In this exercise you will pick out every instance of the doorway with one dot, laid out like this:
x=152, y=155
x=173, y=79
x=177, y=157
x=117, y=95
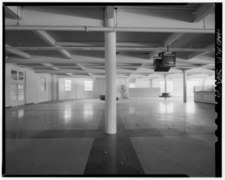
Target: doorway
x=17, y=88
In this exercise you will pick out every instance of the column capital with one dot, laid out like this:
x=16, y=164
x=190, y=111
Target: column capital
x=109, y=16
x=109, y=11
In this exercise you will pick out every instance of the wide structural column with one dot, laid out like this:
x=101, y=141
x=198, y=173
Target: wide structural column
x=184, y=85
x=110, y=72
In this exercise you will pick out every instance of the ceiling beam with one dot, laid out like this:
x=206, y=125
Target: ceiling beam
x=194, y=54
x=14, y=11
x=106, y=29
x=102, y=71
x=59, y=71
x=51, y=66
x=160, y=7
x=119, y=49
x=171, y=39
x=74, y=60
x=44, y=59
x=50, y=40
x=83, y=68
x=69, y=74
x=204, y=10
x=205, y=66
x=17, y=52
x=101, y=44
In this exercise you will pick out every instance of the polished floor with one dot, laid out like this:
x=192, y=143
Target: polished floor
x=155, y=137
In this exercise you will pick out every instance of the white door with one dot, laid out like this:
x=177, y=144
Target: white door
x=13, y=93
x=17, y=88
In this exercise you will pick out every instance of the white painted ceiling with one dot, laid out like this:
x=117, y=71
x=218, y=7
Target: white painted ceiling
x=69, y=40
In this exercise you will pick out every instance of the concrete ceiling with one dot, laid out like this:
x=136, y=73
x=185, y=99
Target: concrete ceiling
x=70, y=39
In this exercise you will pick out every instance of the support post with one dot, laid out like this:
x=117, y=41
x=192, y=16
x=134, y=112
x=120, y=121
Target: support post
x=151, y=82
x=54, y=87
x=165, y=81
x=110, y=70
x=184, y=85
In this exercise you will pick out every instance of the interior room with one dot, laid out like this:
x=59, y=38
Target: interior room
x=109, y=89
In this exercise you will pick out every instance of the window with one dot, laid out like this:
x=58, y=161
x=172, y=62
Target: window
x=88, y=85
x=13, y=75
x=43, y=84
x=21, y=76
x=68, y=85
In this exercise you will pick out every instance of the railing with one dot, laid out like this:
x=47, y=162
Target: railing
x=207, y=88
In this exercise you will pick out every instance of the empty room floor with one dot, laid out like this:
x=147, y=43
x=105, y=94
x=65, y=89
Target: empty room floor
x=154, y=137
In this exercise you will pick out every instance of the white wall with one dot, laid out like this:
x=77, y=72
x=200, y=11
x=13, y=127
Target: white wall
x=144, y=88
x=67, y=94
x=204, y=97
x=177, y=87
x=78, y=88
x=99, y=87
x=142, y=83
x=119, y=83
x=33, y=93
x=81, y=93
x=144, y=92
x=78, y=92
x=155, y=83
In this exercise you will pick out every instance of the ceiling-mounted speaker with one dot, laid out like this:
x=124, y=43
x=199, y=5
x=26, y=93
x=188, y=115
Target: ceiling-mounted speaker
x=158, y=65
x=164, y=61
x=168, y=59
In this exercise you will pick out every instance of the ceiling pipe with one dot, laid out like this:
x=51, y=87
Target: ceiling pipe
x=104, y=29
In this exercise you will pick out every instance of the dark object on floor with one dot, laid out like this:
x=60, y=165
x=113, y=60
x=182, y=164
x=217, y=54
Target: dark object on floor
x=102, y=97
x=165, y=95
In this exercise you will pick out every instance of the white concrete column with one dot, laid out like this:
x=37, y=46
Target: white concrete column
x=53, y=87
x=127, y=86
x=184, y=85
x=165, y=81
x=110, y=73
x=57, y=88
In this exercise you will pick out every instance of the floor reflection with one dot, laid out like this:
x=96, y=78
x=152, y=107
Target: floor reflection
x=190, y=108
x=20, y=113
x=88, y=111
x=131, y=110
x=166, y=107
x=67, y=113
